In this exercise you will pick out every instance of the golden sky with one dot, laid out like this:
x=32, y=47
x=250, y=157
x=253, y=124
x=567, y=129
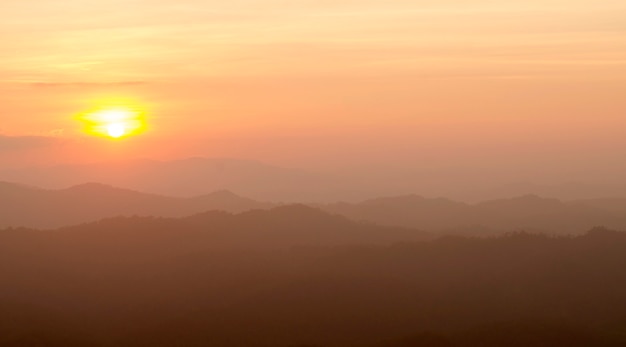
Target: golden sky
x=317, y=82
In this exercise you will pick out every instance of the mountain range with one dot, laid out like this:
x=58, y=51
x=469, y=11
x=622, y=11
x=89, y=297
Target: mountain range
x=529, y=213
x=278, y=227
x=270, y=182
x=24, y=206
x=197, y=176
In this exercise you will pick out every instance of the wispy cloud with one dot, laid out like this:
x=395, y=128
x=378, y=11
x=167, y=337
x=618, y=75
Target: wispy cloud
x=86, y=84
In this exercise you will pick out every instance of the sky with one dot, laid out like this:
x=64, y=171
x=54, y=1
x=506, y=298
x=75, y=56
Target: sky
x=510, y=90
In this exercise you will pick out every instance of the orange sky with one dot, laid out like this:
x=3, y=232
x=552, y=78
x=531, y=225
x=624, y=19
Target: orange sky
x=324, y=84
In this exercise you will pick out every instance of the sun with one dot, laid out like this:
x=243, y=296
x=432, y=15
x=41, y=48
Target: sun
x=114, y=123
x=116, y=130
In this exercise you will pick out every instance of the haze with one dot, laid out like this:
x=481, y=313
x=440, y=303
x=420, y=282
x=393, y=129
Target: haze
x=312, y=173
x=451, y=93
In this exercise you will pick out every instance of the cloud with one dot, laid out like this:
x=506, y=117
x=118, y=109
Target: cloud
x=16, y=143
x=86, y=84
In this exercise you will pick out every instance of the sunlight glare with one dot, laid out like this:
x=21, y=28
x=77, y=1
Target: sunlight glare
x=114, y=123
x=116, y=130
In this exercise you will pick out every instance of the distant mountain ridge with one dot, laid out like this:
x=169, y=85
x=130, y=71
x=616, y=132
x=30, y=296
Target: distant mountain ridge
x=276, y=228
x=568, y=191
x=529, y=212
x=23, y=206
x=195, y=176
x=270, y=182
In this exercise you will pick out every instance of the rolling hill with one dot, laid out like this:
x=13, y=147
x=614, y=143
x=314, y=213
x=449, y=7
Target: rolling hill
x=530, y=213
x=23, y=206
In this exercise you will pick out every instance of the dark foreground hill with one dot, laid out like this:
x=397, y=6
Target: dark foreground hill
x=231, y=280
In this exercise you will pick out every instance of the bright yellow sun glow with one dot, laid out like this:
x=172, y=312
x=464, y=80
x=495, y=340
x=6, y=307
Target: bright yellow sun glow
x=114, y=123
x=116, y=130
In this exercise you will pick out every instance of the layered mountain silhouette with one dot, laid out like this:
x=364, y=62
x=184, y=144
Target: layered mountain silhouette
x=565, y=191
x=610, y=204
x=267, y=182
x=39, y=208
x=224, y=270
x=279, y=227
x=197, y=176
x=24, y=206
x=530, y=213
